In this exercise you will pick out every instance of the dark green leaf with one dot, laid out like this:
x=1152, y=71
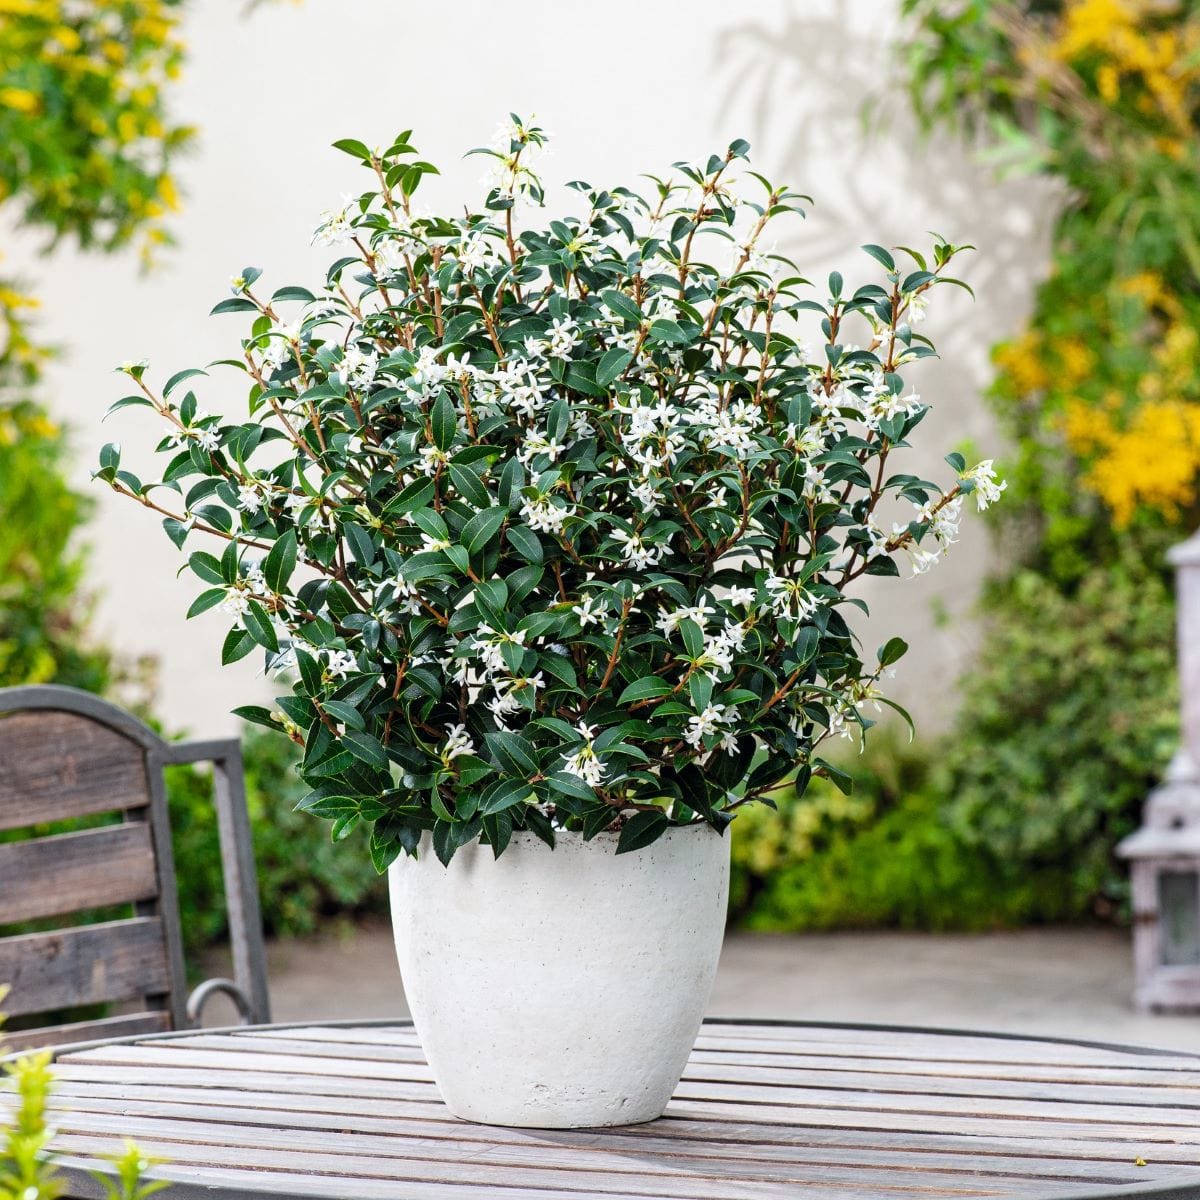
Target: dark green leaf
x=512, y=753
x=482, y=528
x=354, y=148
x=443, y=421
x=623, y=306
x=469, y=485
x=641, y=829
x=364, y=747
x=205, y=601
x=612, y=365
x=645, y=689
x=259, y=626
x=892, y=651
x=280, y=561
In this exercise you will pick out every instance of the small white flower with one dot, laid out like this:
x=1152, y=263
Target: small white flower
x=705, y=723
x=250, y=496
x=636, y=553
x=432, y=459
x=583, y=763
x=408, y=598
x=338, y=663
x=358, y=367
x=942, y=522
x=646, y=496
x=741, y=597
x=278, y=352
x=987, y=485
x=916, y=308
x=489, y=646
x=538, y=443
x=789, y=597
x=562, y=337
x=476, y=252
x=458, y=741
x=542, y=514
x=590, y=611
x=236, y=602
x=335, y=225
x=878, y=541
x=668, y=622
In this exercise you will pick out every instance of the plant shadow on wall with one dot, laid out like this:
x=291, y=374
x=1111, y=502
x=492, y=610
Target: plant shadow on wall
x=840, y=121
x=1069, y=704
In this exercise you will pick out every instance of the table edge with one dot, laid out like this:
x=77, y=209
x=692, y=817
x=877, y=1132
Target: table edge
x=57, y=1052
x=78, y=1177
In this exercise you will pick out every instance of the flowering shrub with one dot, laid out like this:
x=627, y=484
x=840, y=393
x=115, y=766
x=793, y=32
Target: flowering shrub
x=83, y=112
x=558, y=526
x=1103, y=95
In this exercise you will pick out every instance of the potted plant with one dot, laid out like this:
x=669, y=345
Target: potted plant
x=554, y=526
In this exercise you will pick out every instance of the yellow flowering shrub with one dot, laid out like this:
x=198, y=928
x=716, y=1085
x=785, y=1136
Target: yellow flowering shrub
x=88, y=143
x=1141, y=52
x=1102, y=390
x=87, y=152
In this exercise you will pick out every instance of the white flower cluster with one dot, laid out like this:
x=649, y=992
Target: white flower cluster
x=570, y=493
x=714, y=719
x=987, y=486
x=584, y=763
x=336, y=225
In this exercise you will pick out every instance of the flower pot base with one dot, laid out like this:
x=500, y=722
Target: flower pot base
x=561, y=989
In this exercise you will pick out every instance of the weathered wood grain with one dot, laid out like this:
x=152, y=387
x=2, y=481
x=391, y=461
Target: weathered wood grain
x=650, y=1155
x=67, y=754
x=352, y=1112
x=55, y=765
x=129, y=1025
x=50, y=876
x=87, y=964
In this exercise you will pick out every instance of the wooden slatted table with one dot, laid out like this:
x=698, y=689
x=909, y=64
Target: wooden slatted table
x=764, y=1110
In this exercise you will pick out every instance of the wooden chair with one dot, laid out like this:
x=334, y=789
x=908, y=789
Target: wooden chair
x=66, y=754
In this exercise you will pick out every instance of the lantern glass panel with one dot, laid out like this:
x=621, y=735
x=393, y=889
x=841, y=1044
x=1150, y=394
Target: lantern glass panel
x=1179, y=917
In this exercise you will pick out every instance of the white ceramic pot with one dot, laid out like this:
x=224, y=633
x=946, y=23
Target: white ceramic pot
x=561, y=988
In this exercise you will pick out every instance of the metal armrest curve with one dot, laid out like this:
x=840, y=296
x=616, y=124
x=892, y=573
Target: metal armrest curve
x=210, y=987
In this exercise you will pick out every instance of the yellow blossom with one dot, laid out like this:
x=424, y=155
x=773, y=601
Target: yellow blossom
x=1021, y=361
x=1150, y=460
x=20, y=99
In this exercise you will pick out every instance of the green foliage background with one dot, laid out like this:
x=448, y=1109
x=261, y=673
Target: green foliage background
x=303, y=876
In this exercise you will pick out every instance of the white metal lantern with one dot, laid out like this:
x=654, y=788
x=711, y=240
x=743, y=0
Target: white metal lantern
x=1165, y=866
x=1164, y=853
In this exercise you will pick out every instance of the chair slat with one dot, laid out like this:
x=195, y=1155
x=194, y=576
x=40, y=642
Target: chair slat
x=89, y=964
x=129, y=1025
x=46, y=877
x=56, y=765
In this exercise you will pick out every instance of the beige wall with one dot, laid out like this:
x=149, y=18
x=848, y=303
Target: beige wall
x=626, y=87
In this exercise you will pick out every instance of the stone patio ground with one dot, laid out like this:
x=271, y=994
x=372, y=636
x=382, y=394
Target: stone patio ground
x=1060, y=982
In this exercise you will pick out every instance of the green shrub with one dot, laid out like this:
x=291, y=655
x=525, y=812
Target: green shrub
x=41, y=614
x=885, y=857
x=302, y=875
x=1070, y=718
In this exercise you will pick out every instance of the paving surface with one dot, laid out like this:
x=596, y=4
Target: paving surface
x=1061, y=982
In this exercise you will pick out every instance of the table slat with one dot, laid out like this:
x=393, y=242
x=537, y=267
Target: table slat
x=763, y=1112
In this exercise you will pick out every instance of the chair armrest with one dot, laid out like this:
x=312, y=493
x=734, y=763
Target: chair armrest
x=209, y=988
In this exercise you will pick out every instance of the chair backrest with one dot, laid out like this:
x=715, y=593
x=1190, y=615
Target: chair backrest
x=68, y=757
